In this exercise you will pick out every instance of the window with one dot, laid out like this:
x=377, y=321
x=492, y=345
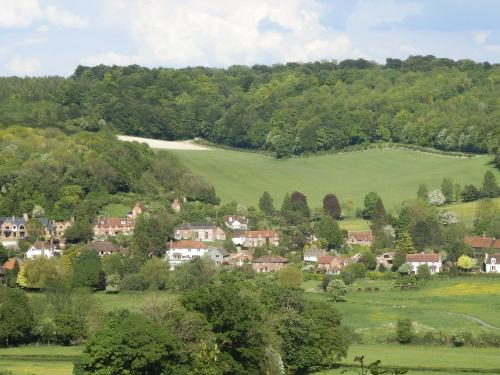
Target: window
x=196, y=235
x=123, y=222
x=206, y=235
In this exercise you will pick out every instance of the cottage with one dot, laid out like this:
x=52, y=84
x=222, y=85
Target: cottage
x=240, y=258
x=113, y=226
x=40, y=249
x=103, y=248
x=333, y=264
x=269, y=263
x=364, y=238
x=206, y=232
x=185, y=251
x=432, y=260
x=311, y=255
x=482, y=242
x=491, y=263
x=385, y=259
x=219, y=256
x=236, y=222
x=258, y=238
x=136, y=211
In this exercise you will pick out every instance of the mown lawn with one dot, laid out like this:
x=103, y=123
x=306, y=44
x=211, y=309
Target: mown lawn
x=442, y=305
x=128, y=300
x=393, y=173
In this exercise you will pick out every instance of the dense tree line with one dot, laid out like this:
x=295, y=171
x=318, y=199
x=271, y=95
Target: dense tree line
x=46, y=172
x=288, y=109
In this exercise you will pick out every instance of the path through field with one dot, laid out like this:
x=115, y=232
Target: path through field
x=165, y=145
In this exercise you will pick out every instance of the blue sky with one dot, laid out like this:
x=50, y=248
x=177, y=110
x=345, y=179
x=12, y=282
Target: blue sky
x=51, y=37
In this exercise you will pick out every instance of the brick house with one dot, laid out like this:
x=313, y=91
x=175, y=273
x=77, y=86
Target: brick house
x=256, y=238
x=240, y=258
x=113, y=226
x=200, y=231
x=364, y=238
x=236, y=222
x=478, y=243
x=432, y=260
x=269, y=263
x=333, y=264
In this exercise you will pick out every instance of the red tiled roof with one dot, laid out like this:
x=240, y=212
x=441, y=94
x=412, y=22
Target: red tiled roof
x=325, y=259
x=114, y=222
x=423, y=258
x=480, y=242
x=104, y=246
x=270, y=259
x=188, y=244
x=10, y=264
x=260, y=233
x=361, y=236
x=496, y=244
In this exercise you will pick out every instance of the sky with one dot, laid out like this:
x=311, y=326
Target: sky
x=52, y=37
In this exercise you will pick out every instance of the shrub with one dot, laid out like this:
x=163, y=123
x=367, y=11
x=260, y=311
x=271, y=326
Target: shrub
x=134, y=281
x=423, y=273
x=337, y=290
x=460, y=337
x=112, y=283
x=375, y=275
x=404, y=331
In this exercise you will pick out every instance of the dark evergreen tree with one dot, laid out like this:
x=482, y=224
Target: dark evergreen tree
x=331, y=206
x=266, y=203
x=490, y=187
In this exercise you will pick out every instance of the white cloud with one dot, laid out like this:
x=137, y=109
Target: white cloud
x=64, y=18
x=109, y=58
x=225, y=32
x=22, y=13
x=19, y=13
x=24, y=66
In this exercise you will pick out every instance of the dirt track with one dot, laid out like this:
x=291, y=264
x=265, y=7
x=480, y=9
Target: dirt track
x=164, y=145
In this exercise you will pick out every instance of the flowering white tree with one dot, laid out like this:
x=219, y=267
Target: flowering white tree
x=436, y=198
x=448, y=217
x=38, y=211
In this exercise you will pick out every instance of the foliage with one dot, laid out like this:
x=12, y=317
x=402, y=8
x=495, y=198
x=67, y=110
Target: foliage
x=465, y=263
x=369, y=260
x=490, y=187
x=404, y=331
x=86, y=269
x=470, y=193
x=129, y=343
x=353, y=272
x=266, y=204
x=155, y=273
x=35, y=273
x=328, y=230
x=447, y=189
x=337, y=290
x=134, y=281
x=331, y=206
x=16, y=317
x=405, y=269
x=370, y=202
x=423, y=273
x=423, y=192
x=112, y=283
x=290, y=277
x=436, y=198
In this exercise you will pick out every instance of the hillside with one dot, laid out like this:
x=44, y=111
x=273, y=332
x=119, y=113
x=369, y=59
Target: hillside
x=393, y=173
x=287, y=109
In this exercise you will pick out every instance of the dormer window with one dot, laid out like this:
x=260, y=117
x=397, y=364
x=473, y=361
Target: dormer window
x=14, y=227
x=102, y=222
x=122, y=222
x=493, y=260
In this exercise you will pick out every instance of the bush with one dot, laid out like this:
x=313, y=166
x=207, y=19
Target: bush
x=460, y=337
x=134, y=281
x=353, y=272
x=423, y=273
x=404, y=331
x=375, y=275
x=112, y=283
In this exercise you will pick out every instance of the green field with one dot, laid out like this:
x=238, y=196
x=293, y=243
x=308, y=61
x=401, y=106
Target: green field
x=443, y=305
x=393, y=173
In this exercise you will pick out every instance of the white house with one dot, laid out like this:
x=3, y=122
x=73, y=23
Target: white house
x=238, y=238
x=311, y=255
x=219, y=256
x=433, y=261
x=492, y=263
x=185, y=251
x=236, y=222
x=40, y=249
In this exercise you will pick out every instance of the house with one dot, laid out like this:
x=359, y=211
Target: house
x=256, y=238
x=482, y=242
x=136, y=211
x=103, y=248
x=432, y=260
x=40, y=249
x=185, y=251
x=386, y=259
x=311, y=255
x=176, y=205
x=219, y=256
x=364, y=238
x=9, y=265
x=236, y=222
x=240, y=258
x=238, y=237
x=200, y=231
x=269, y=263
x=333, y=264
x=492, y=263
x=113, y=226
x=15, y=227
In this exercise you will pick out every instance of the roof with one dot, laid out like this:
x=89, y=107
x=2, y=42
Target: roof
x=260, y=233
x=41, y=245
x=103, y=246
x=19, y=220
x=114, y=222
x=361, y=236
x=231, y=218
x=325, y=259
x=270, y=259
x=481, y=242
x=10, y=264
x=496, y=256
x=189, y=226
x=188, y=244
x=221, y=251
x=314, y=252
x=423, y=258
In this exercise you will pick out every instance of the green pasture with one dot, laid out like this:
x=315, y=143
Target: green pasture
x=466, y=212
x=393, y=173
x=469, y=303
x=128, y=300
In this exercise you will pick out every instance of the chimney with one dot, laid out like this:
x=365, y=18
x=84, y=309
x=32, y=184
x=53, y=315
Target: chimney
x=25, y=217
x=486, y=258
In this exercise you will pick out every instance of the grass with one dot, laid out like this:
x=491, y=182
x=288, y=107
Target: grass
x=127, y=300
x=466, y=212
x=393, y=173
x=446, y=359
x=442, y=305
x=115, y=210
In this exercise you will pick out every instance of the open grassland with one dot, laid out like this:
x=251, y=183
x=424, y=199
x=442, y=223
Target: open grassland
x=469, y=303
x=393, y=173
x=436, y=359
x=466, y=212
x=128, y=300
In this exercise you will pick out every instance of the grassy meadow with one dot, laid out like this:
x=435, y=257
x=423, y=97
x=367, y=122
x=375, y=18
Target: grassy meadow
x=393, y=173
